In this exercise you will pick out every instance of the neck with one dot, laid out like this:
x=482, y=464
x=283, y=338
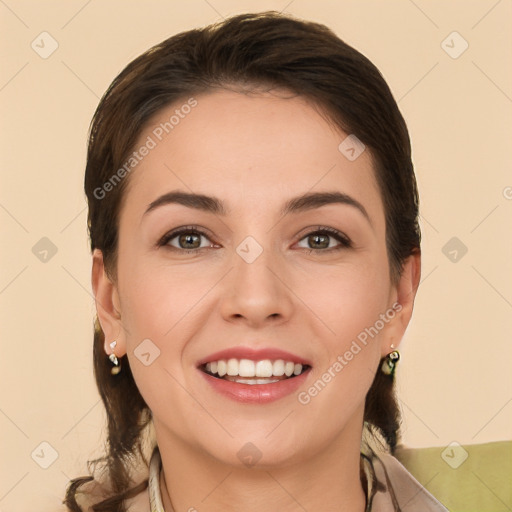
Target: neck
x=329, y=480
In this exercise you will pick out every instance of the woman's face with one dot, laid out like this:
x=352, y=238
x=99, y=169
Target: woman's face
x=252, y=276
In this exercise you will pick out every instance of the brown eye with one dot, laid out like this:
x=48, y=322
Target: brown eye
x=321, y=240
x=187, y=240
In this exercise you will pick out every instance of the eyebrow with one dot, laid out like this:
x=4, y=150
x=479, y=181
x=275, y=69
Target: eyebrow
x=298, y=204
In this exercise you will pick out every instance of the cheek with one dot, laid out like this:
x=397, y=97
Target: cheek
x=349, y=299
x=165, y=305
x=156, y=297
x=351, y=305
x=157, y=304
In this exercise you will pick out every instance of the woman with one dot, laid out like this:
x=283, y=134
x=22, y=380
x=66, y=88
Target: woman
x=253, y=215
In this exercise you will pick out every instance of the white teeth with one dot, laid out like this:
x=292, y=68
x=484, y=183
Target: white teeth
x=232, y=367
x=248, y=368
x=278, y=368
x=264, y=368
x=252, y=381
x=221, y=368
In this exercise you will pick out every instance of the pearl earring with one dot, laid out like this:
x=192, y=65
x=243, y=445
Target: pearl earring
x=113, y=358
x=389, y=364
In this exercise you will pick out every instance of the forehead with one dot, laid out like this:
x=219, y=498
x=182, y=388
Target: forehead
x=251, y=149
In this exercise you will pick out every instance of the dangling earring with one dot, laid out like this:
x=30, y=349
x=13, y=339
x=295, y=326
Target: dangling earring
x=113, y=358
x=389, y=364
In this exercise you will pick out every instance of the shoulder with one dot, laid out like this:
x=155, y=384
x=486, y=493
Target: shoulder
x=409, y=493
x=137, y=503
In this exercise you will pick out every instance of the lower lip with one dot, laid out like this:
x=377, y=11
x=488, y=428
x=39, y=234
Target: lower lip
x=256, y=393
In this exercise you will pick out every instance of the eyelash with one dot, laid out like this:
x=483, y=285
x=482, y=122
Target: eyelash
x=345, y=242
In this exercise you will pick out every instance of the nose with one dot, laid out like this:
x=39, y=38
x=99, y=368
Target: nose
x=256, y=291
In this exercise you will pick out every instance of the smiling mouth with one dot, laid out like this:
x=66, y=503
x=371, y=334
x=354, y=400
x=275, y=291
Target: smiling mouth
x=246, y=371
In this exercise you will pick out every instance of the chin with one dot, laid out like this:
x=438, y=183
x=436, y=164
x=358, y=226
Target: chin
x=257, y=452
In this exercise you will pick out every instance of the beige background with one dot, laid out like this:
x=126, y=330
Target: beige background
x=455, y=378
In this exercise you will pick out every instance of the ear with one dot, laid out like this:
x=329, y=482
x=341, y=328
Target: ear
x=107, y=306
x=404, y=293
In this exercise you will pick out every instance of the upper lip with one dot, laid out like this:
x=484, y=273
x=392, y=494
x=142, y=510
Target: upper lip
x=241, y=352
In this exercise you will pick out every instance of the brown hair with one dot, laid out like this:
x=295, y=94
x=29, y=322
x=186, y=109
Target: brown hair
x=247, y=52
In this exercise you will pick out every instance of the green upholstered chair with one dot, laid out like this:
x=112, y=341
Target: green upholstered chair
x=467, y=478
